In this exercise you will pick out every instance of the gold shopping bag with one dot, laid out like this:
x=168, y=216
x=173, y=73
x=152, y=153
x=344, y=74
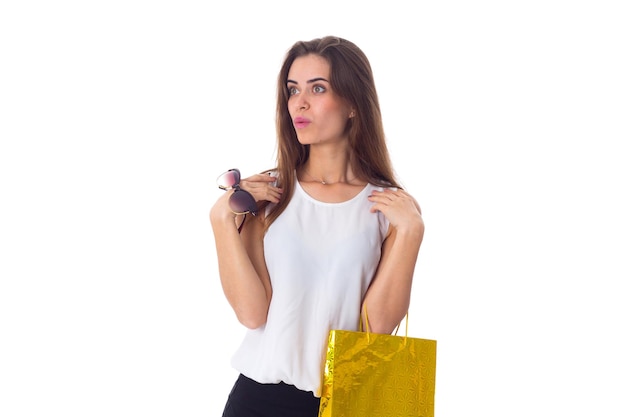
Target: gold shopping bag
x=378, y=375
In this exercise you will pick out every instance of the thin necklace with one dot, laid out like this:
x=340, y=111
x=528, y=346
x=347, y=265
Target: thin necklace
x=326, y=182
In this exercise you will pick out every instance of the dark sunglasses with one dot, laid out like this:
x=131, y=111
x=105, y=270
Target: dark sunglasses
x=240, y=201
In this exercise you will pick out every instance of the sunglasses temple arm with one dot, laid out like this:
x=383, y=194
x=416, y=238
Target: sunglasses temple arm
x=241, y=225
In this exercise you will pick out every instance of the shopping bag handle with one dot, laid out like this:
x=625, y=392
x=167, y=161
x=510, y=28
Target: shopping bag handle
x=395, y=333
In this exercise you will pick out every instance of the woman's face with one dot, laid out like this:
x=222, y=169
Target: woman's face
x=317, y=113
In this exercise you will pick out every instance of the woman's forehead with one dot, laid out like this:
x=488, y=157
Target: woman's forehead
x=309, y=67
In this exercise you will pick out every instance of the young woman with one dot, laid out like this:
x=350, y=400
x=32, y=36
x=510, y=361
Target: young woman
x=334, y=231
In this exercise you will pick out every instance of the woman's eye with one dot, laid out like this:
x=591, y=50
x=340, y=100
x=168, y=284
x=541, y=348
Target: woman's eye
x=318, y=89
x=292, y=91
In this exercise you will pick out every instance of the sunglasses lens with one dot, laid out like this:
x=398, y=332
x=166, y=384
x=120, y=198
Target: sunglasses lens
x=242, y=202
x=229, y=179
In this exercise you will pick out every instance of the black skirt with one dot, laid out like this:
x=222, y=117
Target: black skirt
x=249, y=398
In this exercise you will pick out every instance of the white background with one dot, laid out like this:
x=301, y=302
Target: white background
x=506, y=120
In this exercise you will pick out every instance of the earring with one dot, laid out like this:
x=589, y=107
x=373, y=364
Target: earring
x=351, y=115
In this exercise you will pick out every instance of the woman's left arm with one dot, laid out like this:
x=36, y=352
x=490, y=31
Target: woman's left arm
x=388, y=297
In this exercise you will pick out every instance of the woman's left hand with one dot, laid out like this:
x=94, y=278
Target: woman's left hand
x=399, y=207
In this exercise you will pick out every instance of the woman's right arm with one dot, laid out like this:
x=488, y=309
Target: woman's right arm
x=241, y=260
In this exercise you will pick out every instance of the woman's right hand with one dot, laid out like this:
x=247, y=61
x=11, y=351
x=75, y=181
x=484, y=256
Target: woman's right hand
x=262, y=188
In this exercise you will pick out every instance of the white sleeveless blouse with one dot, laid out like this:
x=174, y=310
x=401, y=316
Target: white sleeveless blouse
x=321, y=258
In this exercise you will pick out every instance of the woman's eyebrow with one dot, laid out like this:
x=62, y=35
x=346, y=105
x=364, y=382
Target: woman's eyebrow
x=312, y=80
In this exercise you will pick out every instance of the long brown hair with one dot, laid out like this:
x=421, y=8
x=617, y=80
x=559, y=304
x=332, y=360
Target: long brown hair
x=352, y=79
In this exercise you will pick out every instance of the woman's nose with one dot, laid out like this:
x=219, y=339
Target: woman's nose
x=302, y=102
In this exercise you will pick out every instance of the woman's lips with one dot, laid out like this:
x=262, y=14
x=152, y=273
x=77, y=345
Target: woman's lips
x=301, y=122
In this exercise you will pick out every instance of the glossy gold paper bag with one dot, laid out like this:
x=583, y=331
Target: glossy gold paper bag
x=378, y=375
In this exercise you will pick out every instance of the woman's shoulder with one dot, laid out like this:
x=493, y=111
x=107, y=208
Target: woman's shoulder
x=383, y=184
x=271, y=172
